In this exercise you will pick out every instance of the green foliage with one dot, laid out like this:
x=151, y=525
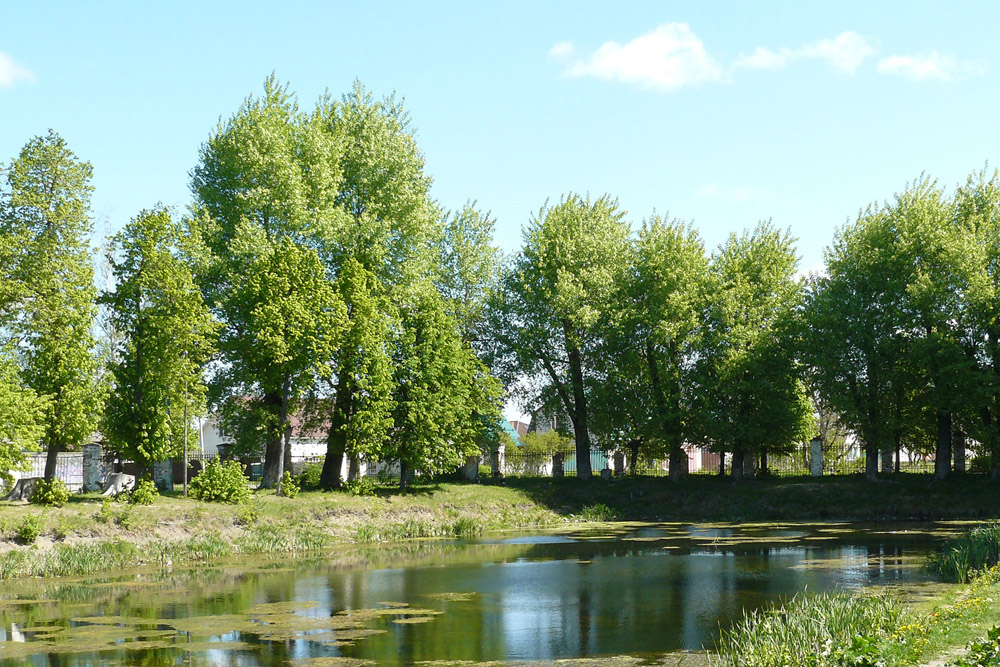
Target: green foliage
x=28, y=529
x=221, y=482
x=751, y=385
x=363, y=486
x=547, y=444
x=61, y=531
x=21, y=419
x=289, y=487
x=983, y=652
x=144, y=493
x=817, y=630
x=597, y=512
x=248, y=513
x=45, y=226
x=52, y=494
x=547, y=312
x=961, y=558
x=163, y=337
x=309, y=478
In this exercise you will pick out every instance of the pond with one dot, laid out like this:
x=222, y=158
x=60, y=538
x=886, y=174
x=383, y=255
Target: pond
x=621, y=589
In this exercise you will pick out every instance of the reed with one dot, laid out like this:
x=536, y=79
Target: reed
x=962, y=557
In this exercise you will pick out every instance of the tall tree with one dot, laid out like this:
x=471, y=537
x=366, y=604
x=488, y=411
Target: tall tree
x=977, y=212
x=267, y=188
x=164, y=337
x=552, y=299
x=755, y=401
x=649, y=352
x=380, y=249
x=45, y=212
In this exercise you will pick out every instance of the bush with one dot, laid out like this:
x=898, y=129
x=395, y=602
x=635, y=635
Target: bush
x=144, y=493
x=308, y=480
x=981, y=464
x=982, y=652
x=221, y=483
x=53, y=494
x=360, y=487
x=28, y=529
x=289, y=488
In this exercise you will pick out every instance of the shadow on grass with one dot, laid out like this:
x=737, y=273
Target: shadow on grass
x=906, y=496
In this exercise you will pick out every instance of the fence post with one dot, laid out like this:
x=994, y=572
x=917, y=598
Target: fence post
x=619, y=463
x=91, y=467
x=496, y=461
x=816, y=457
x=163, y=475
x=958, y=449
x=558, y=464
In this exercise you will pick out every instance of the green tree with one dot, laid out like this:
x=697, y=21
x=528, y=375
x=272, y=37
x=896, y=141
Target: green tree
x=977, y=212
x=432, y=430
x=853, y=337
x=164, y=338
x=552, y=300
x=21, y=419
x=754, y=399
x=384, y=197
x=45, y=217
x=650, y=348
x=267, y=186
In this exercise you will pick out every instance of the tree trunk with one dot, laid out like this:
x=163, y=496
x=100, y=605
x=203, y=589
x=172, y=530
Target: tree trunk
x=273, y=453
x=737, y=465
x=633, y=458
x=581, y=427
x=871, y=461
x=51, y=460
x=898, y=453
x=354, y=468
x=942, y=452
x=336, y=438
x=958, y=449
x=404, y=473
x=284, y=431
x=762, y=471
x=722, y=464
x=669, y=426
x=886, y=461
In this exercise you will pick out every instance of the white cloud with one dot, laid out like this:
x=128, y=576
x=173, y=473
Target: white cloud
x=562, y=50
x=931, y=66
x=669, y=57
x=844, y=53
x=12, y=72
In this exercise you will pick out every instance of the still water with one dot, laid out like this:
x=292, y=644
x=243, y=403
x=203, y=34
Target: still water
x=627, y=589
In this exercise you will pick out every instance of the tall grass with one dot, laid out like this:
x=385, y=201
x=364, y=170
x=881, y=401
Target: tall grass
x=816, y=630
x=961, y=558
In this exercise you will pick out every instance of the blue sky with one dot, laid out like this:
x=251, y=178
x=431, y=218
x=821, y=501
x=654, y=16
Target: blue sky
x=720, y=113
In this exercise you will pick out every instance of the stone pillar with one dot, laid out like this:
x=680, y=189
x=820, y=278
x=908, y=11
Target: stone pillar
x=558, y=464
x=91, y=468
x=816, y=457
x=619, y=463
x=163, y=475
x=496, y=461
x=958, y=449
x=470, y=470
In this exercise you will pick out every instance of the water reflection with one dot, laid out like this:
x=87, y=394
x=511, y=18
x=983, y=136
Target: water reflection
x=625, y=589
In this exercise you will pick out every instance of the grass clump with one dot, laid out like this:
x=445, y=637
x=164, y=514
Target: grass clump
x=51, y=494
x=818, y=630
x=597, y=512
x=28, y=530
x=221, y=483
x=961, y=558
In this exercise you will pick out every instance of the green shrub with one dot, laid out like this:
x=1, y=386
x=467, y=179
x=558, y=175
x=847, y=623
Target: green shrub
x=308, y=479
x=289, y=488
x=981, y=464
x=28, y=530
x=247, y=514
x=125, y=517
x=53, y=494
x=144, y=493
x=221, y=483
x=598, y=512
x=61, y=530
x=982, y=652
x=363, y=486
x=105, y=514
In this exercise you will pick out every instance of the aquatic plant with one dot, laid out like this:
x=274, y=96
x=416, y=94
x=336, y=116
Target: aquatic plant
x=962, y=557
x=817, y=630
